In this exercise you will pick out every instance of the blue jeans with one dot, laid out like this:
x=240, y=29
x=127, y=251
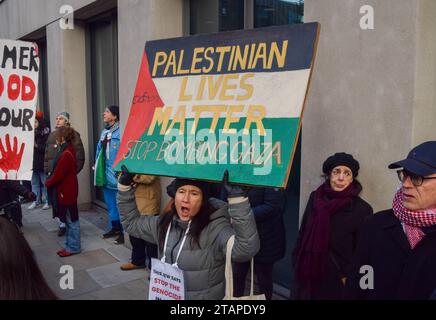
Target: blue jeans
x=72, y=235
x=38, y=187
x=110, y=197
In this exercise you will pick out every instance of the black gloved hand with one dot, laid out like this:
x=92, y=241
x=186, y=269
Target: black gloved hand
x=232, y=190
x=125, y=178
x=31, y=196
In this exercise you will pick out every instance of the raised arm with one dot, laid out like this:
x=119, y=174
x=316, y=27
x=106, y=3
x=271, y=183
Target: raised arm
x=243, y=226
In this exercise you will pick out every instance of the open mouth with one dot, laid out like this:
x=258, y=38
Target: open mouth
x=185, y=211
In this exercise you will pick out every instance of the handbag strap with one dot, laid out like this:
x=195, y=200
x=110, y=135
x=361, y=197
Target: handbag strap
x=229, y=270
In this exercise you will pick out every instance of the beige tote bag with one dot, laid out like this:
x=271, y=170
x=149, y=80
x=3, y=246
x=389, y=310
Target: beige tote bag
x=229, y=276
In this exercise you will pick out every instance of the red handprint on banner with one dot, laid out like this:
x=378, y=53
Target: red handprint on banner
x=10, y=157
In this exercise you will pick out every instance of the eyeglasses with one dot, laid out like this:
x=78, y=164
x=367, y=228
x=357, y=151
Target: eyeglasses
x=416, y=179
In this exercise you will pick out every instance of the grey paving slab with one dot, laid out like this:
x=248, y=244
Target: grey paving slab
x=82, y=284
x=121, y=253
x=40, y=238
x=111, y=275
x=139, y=288
x=46, y=251
x=29, y=227
x=91, y=243
x=118, y=292
x=50, y=266
x=50, y=225
x=89, y=259
x=88, y=229
x=27, y=212
x=98, y=219
x=36, y=217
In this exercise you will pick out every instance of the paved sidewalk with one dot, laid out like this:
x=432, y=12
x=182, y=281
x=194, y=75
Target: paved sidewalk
x=97, y=273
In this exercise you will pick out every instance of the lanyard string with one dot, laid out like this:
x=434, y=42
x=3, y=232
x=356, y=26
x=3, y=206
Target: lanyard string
x=181, y=245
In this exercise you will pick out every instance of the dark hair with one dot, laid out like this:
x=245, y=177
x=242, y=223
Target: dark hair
x=199, y=222
x=115, y=110
x=20, y=276
x=64, y=132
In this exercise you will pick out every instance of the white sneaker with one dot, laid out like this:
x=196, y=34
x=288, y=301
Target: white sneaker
x=46, y=206
x=32, y=206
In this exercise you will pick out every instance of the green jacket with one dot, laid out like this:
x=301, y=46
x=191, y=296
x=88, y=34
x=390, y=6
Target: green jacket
x=203, y=266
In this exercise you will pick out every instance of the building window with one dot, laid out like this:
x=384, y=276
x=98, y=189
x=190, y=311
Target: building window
x=231, y=15
x=216, y=15
x=103, y=78
x=277, y=12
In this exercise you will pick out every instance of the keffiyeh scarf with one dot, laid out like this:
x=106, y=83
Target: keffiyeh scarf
x=413, y=221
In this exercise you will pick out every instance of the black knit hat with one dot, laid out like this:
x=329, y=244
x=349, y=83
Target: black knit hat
x=115, y=111
x=341, y=159
x=202, y=185
x=171, y=189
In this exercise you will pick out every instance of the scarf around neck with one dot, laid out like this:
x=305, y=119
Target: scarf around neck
x=111, y=128
x=413, y=221
x=312, y=257
x=107, y=137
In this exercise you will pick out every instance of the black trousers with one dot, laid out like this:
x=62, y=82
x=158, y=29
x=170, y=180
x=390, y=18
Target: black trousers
x=140, y=250
x=263, y=272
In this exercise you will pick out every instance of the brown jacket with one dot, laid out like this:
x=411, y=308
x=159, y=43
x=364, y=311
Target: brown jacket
x=51, y=150
x=147, y=194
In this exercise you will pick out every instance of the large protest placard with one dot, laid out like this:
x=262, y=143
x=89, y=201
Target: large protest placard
x=231, y=100
x=19, y=65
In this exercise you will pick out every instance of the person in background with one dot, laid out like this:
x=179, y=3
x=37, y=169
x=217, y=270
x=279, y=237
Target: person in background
x=63, y=189
x=205, y=225
x=397, y=247
x=267, y=206
x=107, y=148
x=39, y=177
x=328, y=234
x=9, y=192
x=20, y=276
x=63, y=120
x=147, y=197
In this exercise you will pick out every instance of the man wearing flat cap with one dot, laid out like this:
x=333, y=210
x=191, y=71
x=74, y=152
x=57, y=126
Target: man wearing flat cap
x=396, y=252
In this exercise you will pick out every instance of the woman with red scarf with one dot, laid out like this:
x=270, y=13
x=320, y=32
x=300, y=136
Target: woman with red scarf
x=328, y=233
x=396, y=253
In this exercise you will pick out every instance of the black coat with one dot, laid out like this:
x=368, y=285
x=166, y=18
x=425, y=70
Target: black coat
x=344, y=229
x=9, y=191
x=267, y=206
x=399, y=272
x=41, y=135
